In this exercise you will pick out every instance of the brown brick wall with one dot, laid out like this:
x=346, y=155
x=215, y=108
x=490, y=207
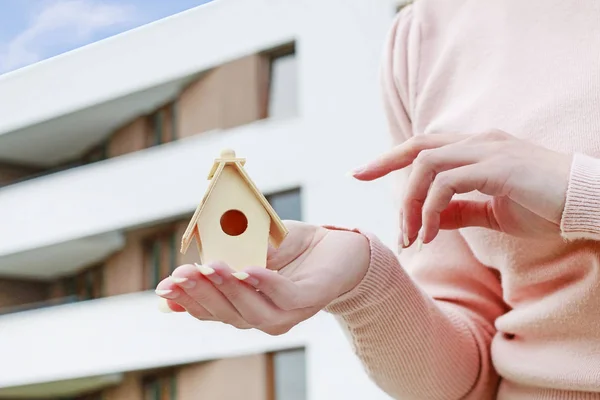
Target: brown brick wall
x=130, y=138
x=12, y=173
x=227, y=96
x=167, y=128
x=199, y=107
x=244, y=90
x=56, y=289
x=124, y=271
x=129, y=389
x=228, y=379
x=19, y=292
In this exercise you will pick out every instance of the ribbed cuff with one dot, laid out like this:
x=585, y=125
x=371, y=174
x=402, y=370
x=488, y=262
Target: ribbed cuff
x=581, y=216
x=377, y=282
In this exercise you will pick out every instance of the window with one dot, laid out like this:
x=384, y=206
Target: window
x=162, y=125
x=161, y=386
x=289, y=375
x=86, y=285
x=287, y=204
x=283, y=86
x=160, y=257
x=173, y=115
x=156, y=135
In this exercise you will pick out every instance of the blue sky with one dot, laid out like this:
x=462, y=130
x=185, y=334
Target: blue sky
x=33, y=30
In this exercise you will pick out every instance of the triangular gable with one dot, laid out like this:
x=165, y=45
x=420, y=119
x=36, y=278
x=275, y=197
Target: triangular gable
x=277, y=230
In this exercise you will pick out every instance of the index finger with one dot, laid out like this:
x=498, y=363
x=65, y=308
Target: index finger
x=403, y=155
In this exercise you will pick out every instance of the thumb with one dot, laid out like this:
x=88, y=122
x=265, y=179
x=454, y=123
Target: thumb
x=297, y=241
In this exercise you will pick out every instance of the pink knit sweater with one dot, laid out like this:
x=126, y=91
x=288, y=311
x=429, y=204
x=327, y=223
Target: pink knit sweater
x=477, y=314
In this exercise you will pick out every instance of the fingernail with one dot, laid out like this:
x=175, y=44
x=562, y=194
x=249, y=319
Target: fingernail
x=244, y=276
x=204, y=270
x=420, y=240
x=405, y=240
x=357, y=171
x=163, y=306
x=183, y=282
x=209, y=273
x=169, y=294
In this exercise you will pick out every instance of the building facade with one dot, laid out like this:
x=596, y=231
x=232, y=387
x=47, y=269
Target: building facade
x=104, y=153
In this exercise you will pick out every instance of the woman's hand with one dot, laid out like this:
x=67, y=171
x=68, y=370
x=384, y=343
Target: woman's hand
x=526, y=183
x=311, y=268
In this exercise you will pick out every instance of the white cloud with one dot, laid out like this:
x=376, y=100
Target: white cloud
x=63, y=23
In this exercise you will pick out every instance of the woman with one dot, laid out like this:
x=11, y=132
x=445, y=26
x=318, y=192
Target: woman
x=495, y=110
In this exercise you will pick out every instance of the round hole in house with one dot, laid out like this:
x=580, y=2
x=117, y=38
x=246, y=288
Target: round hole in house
x=234, y=222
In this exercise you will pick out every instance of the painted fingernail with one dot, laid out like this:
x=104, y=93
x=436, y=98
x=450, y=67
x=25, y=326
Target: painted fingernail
x=405, y=240
x=183, y=282
x=163, y=306
x=204, y=270
x=209, y=273
x=168, y=293
x=357, y=171
x=420, y=240
x=244, y=276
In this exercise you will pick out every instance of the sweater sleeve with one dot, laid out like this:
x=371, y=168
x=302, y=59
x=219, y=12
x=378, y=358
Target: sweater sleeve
x=581, y=215
x=422, y=323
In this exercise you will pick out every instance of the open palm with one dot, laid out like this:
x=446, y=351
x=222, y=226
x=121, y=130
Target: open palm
x=311, y=268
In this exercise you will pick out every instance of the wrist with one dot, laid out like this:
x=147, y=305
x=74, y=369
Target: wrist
x=359, y=247
x=361, y=256
x=376, y=275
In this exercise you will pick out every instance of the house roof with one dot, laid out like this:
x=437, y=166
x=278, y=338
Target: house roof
x=277, y=230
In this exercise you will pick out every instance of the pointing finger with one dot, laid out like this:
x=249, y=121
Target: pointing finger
x=404, y=154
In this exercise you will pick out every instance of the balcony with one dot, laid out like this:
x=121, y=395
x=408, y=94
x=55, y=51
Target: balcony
x=81, y=346
x=58, y=223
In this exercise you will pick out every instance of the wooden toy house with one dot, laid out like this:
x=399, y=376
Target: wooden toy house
x=234, y=222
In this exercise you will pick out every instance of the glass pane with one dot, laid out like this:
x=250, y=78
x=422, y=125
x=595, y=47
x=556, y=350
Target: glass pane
x=158, y=127
x=283, y=96
x=152, y=390
x=287, y=204
x=155, y=264
x=290, y=375
x=174, y=120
